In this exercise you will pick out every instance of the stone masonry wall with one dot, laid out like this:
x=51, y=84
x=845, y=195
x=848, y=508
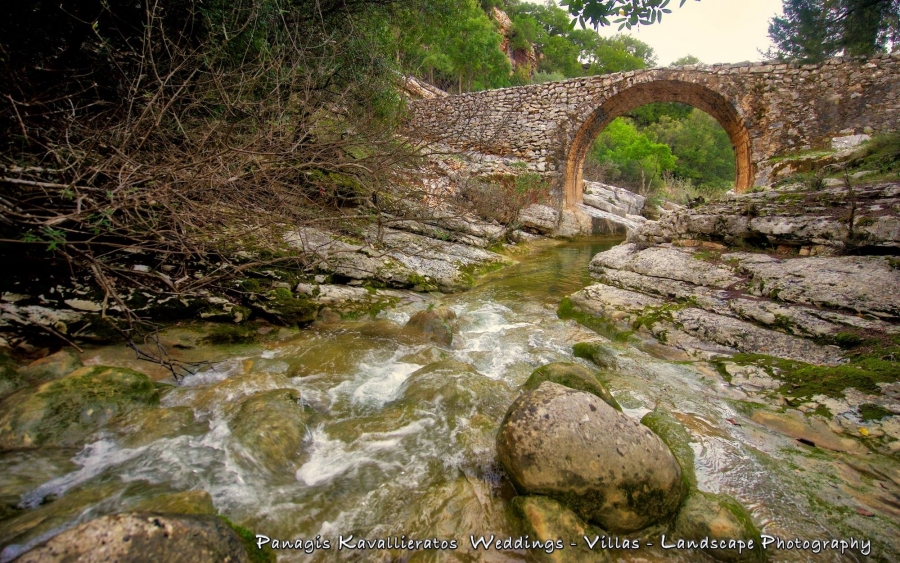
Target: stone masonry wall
x=768, y=109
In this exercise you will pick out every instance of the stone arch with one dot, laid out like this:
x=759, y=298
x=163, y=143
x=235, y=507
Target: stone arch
x=696, y=95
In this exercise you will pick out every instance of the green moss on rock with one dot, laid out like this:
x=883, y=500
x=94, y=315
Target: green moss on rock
x=284, y=308
x=595, y=352
x=188, y=502
x=677, y=439
x=572, y=376
x=543, y=518
x=66, y=411
x=229, y=334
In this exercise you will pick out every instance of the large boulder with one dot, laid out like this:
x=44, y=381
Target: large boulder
x=573, y=447
x=65, y=411
x=572, y=376
x=144, y=537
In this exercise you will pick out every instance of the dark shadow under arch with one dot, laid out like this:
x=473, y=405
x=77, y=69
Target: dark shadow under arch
x=695, y=95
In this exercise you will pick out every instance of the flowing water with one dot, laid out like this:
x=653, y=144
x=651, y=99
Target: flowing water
x=401, y=439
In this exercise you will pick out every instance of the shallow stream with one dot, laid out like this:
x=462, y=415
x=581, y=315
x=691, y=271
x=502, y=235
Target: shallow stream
x=387, y=454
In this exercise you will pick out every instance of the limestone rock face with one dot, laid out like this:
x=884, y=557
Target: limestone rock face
x=857, y=283
x=814, y=222
x=573, y=447
x=144, y=537
x=612, y=199
x=539, y=218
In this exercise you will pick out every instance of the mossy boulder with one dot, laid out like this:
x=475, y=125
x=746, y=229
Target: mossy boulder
x=543, y=518
x=53, y=514
x=66, y=411
x=719, y=517
x=432, y=325
x=271, y=426
x=572, y=376
x=596, y=352
x=144, y=537
x=282, y=307
x=573, y=447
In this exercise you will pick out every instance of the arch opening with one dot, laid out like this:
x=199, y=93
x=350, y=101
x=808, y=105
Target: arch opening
x=638, y=95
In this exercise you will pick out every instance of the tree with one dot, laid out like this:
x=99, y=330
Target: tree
x=630, y=13
x=812, y=30
x=634, y=155
x=686, y=61
x=703, y=149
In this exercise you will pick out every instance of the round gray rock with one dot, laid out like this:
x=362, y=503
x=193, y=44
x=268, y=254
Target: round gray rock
x=573, y=447
x=144, y=537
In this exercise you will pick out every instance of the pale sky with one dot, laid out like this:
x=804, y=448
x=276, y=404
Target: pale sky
x=715, y=31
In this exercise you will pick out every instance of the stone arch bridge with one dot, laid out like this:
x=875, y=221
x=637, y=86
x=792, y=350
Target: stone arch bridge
x=767, y=109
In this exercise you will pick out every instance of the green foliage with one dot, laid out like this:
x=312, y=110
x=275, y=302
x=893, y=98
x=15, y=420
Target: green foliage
x=451, y=43
x=634, y=156
x=650, y=114
x=671, y=146
x=627, y=13
x=703, y=149
x=575, y=52
x=686, y=61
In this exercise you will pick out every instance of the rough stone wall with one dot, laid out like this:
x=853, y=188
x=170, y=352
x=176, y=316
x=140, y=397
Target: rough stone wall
x=768, y=109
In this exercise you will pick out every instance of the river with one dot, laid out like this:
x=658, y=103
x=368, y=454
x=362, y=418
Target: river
x=387, y=454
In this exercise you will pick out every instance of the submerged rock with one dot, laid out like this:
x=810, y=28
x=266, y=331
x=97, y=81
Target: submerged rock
x=572, y=376
x=454, y=386
x=811, y=431
x=68, y=410
x=573, y=447
x=144, y=537
x=432, y=325
x=271, y=426
x=53, y=366
x=719, y=518
x=543, y=519
x=596, y=352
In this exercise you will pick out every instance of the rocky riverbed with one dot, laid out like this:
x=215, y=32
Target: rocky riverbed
x=790, y=293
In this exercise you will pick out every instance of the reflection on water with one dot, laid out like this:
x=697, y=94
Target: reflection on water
x=401, y=435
